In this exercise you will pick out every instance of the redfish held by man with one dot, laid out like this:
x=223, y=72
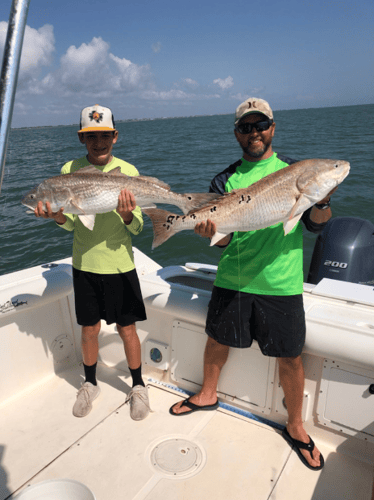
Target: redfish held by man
x=282, y=196
x=88, y=192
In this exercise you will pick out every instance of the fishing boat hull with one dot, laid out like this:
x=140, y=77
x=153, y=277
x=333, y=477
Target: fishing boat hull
x=234, y=452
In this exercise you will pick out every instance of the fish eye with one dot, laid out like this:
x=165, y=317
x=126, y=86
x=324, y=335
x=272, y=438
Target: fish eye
x=32, y=196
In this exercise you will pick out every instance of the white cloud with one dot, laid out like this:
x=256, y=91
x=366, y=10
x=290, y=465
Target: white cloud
x=190, y=83
x=224, y=84
x=175, y=95
x=37, y=51
x=91, y=68
x=156, y=47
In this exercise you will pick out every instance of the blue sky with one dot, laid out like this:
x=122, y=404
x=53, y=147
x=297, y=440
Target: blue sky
x=162, y=58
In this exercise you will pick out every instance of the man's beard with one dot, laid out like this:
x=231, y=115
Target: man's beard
x=256, y=154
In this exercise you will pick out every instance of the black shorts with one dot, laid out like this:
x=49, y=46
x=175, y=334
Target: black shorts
x=116, y=298
x=276, y=322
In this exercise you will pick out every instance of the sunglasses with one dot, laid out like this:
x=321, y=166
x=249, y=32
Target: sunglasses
x=246, y=128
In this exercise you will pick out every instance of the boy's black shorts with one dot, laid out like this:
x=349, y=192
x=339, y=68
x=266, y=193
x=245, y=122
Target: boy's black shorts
x=116, y=298
x=276, y=322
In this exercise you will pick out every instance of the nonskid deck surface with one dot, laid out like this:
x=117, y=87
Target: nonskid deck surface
x=111, y=454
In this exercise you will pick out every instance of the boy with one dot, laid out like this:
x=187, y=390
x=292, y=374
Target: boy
x=106, y=284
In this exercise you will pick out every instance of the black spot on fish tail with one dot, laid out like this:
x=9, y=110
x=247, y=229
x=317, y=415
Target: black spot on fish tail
x=170, y=218
x=241, y=199
x=213, y=209
x=248, y=198
x=183, y=218
x=193, y=216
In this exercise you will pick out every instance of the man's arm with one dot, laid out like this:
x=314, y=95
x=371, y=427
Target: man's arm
x=315, y=219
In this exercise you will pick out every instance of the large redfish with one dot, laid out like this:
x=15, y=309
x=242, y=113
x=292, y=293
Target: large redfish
x=280, y=197
x=88, y=191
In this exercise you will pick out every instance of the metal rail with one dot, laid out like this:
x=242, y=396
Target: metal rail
x=9, y=72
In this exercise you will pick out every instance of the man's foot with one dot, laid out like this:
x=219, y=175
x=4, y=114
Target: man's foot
x=310, y=455
x=86, y=394
x=197, y=400
x=139, y=402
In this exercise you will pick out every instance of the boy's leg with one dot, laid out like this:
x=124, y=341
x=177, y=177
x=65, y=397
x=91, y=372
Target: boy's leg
x=89, y=390
x=138, y=396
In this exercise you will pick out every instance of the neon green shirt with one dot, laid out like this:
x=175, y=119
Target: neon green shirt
x=264, y=262
x=108, y=248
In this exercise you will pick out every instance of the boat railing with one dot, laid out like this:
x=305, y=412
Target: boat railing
x=9, y=72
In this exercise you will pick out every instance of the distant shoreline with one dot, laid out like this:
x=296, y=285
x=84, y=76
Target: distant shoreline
x=179, y=117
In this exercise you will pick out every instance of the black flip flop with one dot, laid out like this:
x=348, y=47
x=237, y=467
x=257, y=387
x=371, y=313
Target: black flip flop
x=193, y=408
x=297, y=445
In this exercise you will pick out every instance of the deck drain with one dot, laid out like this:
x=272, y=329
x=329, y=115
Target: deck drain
x=177, y=458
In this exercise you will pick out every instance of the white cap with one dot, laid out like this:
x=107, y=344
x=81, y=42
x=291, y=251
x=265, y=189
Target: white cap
x=253, y=105
x=96, y=118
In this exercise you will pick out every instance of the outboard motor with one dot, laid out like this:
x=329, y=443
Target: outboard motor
x=344, y=251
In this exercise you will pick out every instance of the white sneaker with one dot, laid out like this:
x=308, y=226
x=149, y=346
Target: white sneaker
x=139, y=402
x=86, y=394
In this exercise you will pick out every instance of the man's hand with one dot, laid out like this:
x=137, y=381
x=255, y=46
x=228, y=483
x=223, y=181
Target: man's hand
x=58, y=217
x=126, y=204
x=326, y=199
x=208, y=229
x=321, y=216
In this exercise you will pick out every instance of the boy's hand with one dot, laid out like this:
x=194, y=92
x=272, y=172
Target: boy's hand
x=58, y=217
x=126, y=204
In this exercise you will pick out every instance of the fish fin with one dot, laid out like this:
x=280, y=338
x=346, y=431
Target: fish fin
x=77, y=206
x=30, y=212
x=116, y=170
x=88, y=221
x=153, y=180
x=291, y=223
x=299, y=202
x=90, y=169
x=163, y=228
x=217, y=236
x=192, y=201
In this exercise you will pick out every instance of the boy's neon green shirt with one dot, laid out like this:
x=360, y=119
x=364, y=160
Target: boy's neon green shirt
x=264, y=262
x=108, y=248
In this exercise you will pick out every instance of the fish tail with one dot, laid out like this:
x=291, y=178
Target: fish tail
x=163, y=227
x=192, y=201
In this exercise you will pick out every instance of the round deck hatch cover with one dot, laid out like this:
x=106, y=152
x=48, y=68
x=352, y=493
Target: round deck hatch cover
x=177, y=458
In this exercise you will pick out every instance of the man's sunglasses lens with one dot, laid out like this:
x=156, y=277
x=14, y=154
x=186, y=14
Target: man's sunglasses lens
x=246, y=128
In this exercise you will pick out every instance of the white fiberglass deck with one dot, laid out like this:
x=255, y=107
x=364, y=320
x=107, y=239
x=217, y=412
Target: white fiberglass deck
x=110, y=453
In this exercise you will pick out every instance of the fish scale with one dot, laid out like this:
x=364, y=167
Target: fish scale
x=282, y=196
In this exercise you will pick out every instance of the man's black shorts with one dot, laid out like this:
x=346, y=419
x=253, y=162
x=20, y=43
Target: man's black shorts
x=276, y=322
x=116, y=298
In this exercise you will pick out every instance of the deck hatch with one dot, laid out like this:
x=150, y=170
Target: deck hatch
x=177, y=458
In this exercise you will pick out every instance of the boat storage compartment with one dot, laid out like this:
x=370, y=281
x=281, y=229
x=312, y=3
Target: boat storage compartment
x=346, y=400
x=243, y=365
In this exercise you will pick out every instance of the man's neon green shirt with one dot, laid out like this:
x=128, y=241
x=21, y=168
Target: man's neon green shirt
x=264, y=262
x=108, y=248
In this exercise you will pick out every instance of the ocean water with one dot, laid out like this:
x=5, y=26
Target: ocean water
x=186, y=153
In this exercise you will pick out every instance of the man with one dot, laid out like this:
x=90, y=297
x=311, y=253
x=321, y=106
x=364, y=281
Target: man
x=262, y=283
x=106, y=285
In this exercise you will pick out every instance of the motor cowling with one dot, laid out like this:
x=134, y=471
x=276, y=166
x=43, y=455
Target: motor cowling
x=344, y=251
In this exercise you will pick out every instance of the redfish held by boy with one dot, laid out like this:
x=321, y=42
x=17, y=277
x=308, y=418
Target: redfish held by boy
x=88, y=192
x=282, y=196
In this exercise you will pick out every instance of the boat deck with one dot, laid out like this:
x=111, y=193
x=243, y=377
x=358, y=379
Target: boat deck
x=236, y=457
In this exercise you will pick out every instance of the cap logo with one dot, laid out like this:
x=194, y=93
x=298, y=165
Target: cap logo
x=252, y=104
x=94, y=115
